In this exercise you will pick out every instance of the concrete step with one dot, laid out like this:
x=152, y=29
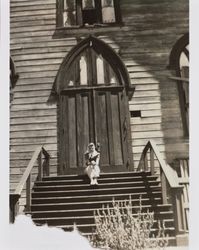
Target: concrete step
x=62, y=216
x=101, y=185
x=102, y=175
x=61, y=201
x=85, y=180
x=86, y=204
x=95, y=190
x=86, y=228
x=70, y=220
x=96, y=197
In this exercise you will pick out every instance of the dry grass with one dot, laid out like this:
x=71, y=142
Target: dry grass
x=117, y=228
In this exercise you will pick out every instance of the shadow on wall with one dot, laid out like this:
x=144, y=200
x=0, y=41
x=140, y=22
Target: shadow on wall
x=153, y=30
x=156, y=95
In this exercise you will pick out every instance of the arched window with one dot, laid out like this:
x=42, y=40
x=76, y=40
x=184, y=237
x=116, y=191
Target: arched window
x=90, y=68
x=92, y=63
x=179, y=61
x=13, y=78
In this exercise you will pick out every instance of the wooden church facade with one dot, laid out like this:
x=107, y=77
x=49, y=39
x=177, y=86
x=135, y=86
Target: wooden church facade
x=102, y=71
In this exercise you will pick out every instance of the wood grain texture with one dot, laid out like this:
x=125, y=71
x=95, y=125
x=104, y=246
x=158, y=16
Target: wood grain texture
x=151, y=28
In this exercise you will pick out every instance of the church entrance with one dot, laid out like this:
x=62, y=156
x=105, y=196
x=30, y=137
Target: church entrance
x=93, y=107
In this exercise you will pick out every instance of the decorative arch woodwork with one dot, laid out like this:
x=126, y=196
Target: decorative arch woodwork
x=101, y=48
x=179, y=62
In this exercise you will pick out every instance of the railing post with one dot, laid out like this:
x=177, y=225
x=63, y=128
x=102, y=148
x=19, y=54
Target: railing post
x=178, y=210
x=40, y=166
x=146, y=162
x=141, y=164
x=28, y=193
x=152, y=165
x=164, y=187
x=14, y=204
x=48, y=166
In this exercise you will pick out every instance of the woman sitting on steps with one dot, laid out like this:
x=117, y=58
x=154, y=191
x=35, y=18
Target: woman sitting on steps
x=92, y=158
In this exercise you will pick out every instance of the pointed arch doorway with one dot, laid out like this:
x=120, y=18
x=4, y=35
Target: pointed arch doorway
x=93, y=107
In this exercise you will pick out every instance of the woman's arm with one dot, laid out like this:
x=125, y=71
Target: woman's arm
x=87, y=162
x=97, y=159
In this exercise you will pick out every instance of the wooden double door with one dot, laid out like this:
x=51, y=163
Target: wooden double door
x=94, y=114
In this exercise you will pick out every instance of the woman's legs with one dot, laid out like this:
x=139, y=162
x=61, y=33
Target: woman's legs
x=95, y=181
x=96, y=173
x=93, y=173
x=92, y=178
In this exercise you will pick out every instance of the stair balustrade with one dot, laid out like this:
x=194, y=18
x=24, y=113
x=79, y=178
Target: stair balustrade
x=43, y=158
x=181, y=165
x=151, y=160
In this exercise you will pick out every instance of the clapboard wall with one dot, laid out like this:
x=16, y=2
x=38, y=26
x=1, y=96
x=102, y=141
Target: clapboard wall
x=144, y=42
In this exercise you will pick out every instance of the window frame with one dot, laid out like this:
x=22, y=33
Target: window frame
x=108, y=53
x=79, y=15
x=13, y=78
x=174, y=64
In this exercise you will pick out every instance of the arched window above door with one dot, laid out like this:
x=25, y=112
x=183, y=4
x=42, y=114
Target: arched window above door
x=91, y=63
x=90, y=68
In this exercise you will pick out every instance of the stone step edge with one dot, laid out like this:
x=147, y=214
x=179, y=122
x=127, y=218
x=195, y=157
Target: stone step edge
x=95, y=188
x=94, y=196
x=101, y=209
x=103, y=202
x=100, y=184
x=141, y=173
x=100, y=178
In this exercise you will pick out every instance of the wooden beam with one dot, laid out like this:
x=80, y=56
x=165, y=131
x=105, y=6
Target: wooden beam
x=117, y=88
x=28, y=193
x=169, y=172
x=152, y=166
x=182, y=79
x=40, y=167
x=14, y=200
x=27, y=171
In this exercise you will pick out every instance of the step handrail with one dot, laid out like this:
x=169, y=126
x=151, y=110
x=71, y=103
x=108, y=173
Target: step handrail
x=43, y=169
x=169, y=172
x=172, y=191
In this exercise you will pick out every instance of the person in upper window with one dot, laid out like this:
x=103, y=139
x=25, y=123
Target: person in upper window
x=92, y=158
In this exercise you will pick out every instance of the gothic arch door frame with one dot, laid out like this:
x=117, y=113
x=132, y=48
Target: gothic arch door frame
x=93, y=107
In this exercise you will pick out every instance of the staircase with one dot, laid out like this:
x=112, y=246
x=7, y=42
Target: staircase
x=60, y=201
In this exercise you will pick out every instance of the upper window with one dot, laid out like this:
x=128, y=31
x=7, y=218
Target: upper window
x=88, y=12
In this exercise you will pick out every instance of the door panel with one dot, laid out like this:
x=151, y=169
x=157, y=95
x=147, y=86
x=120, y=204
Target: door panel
x=83, y=132
x=102, y=127
x=116, y=129
x=93, y=115
x=125, y=129
x=72, y=139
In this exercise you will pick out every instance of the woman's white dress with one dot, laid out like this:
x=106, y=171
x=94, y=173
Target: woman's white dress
x=92, y=161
